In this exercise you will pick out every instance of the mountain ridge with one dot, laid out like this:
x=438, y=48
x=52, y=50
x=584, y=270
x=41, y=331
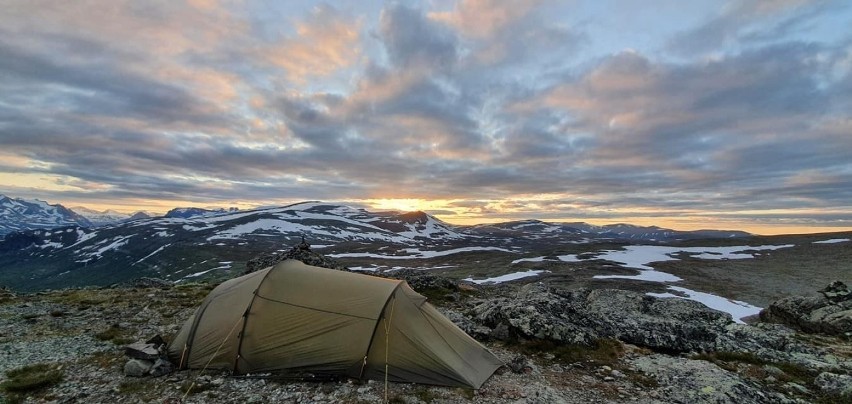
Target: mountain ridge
x=18, y=214
x=212, y=244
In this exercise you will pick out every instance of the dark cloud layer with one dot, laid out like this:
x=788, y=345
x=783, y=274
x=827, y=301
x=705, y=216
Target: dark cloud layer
x=490, y=109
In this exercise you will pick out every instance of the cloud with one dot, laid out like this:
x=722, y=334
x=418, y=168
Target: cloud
x=325, y=42
x=497, y=33
x=745, y=21
x=485, y=106
x=484, y=18
x=412, y=41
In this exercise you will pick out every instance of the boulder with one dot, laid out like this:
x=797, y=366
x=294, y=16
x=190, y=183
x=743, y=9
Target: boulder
x=137, y=367
x=829, y=312
x=161, y=367
x=583, y=316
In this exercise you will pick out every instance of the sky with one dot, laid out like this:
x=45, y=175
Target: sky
x=698, y=114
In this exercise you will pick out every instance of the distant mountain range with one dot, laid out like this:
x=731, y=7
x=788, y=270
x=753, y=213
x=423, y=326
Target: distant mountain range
x=186, y=213
x=100, y=218
x=620, y=231
x=20, y=214
x=189, y=244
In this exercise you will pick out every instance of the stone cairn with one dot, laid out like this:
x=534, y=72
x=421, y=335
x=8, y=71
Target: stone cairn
x=301, y=252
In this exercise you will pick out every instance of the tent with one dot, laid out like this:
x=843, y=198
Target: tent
x=296, y=318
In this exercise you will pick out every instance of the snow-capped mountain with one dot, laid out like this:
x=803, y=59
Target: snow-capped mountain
x=20, y=214
x=217, y=244
x=179, y=248
x=100, y=218
x=192, y=212
x=538, y=230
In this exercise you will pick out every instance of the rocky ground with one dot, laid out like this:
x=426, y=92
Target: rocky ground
x=559, y=345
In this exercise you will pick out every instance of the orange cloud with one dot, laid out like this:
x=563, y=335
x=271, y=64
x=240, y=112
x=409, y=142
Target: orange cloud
x=324, y=43
x=484, y=18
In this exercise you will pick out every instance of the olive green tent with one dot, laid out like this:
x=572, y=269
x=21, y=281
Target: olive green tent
x=299, y=318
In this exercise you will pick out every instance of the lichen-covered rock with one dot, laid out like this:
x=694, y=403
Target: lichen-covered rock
x=666, y=325
x=583, y=315
x=838, y=385
x=467, y=325
x=830, y=312
x=694, y=381
x=418, y=280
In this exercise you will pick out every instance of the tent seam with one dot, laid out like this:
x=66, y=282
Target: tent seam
x=315, y=309
x=376, y=328
x=245, y=317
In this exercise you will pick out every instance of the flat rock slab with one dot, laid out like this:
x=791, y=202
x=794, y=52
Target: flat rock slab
x=142, y=351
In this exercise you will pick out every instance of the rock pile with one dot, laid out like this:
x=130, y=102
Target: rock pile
x=301, y=252
x=830, y=312
x=147, y=359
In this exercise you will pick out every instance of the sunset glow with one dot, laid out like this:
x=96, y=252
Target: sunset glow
x=686, y=115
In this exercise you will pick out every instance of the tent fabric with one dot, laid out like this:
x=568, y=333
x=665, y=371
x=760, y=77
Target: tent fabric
x=299, y=318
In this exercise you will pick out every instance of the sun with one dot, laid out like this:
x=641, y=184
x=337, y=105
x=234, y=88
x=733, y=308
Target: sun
x=403, y=205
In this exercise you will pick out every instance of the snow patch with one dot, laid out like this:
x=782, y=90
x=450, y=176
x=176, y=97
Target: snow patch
x=639, y=256
x=51, y=244
x=205, y=226
x=364, y=269
x=157, y=251
x=507, y=277
x=737, y=309
x=197, y=274
x=563, y=258
x=832, y=241
x=417, y=254
x=650, y=275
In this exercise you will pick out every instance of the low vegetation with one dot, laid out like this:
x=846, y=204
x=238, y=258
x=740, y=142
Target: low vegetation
x=30, y=379
x=115, y=334
x=602, y=352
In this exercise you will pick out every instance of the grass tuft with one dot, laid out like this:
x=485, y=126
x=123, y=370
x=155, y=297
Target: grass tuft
x=115, y=334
